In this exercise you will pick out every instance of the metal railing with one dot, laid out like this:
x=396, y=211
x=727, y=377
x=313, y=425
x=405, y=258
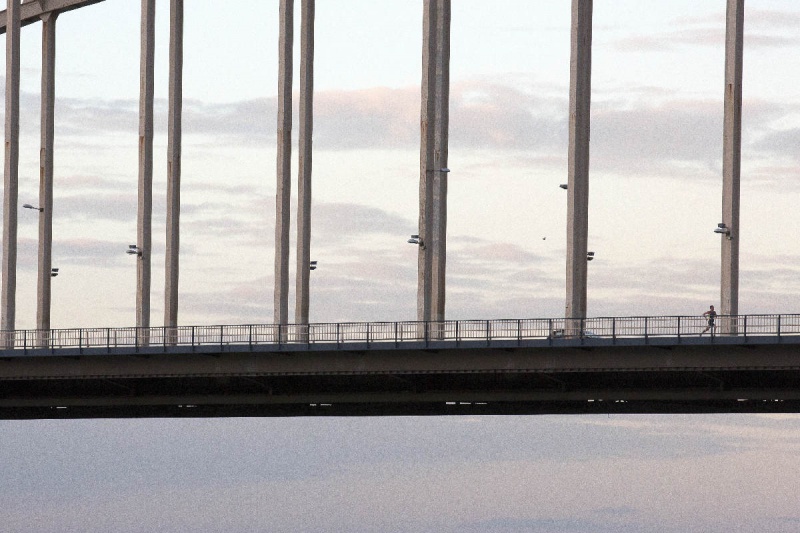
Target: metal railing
x=383, y=334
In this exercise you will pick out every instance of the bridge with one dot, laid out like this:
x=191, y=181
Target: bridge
x=516, y=366
x=429, y=366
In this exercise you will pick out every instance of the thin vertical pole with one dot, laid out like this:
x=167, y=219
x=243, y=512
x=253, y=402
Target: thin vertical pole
x=47, y=130
x=11, y=176
x=305, y=156
x=145, y=201
x=731, y=164
x=578, y=159
x=426, y=161
x=284, y=163
x=441, y=138
x=174, y=135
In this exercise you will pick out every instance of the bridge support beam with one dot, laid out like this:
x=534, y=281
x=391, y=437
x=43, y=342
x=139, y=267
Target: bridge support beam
x=303, y=272
x=43, y=298
x=11, y=176
x=283, y=191
x=441, y=141
x=578, y=160
x=174, y=164
x=145, y=202
x=731, y=164
x=433, y=157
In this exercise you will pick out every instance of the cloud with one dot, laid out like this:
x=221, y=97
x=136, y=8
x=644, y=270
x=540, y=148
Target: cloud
x=782, y=143
x=630, y=134
x=762, y=29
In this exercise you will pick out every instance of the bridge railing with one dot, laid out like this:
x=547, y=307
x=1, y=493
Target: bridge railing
x=383, y=333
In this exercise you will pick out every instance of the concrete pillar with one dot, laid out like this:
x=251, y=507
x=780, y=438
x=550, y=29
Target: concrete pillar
x=46, y=175
x=441, y=138
x=305, y=153
x=427, y=161
x=284, y=170
x=578, y=160
x=11, y=175
x=731, y=164
x=145, y=204
x=174, y=163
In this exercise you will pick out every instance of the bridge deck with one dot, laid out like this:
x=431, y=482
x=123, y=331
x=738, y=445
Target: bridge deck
x=422, y=376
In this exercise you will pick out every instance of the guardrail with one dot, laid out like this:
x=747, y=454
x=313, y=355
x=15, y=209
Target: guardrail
x=383, y=333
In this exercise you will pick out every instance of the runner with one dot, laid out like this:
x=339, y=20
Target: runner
x=711, y=314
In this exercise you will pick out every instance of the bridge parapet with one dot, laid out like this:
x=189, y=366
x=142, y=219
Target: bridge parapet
x=387, y=335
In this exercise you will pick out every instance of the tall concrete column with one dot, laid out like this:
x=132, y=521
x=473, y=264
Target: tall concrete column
x=305, y=153
x=47, y=129
x=145, y=204
x=283, y=192
x=427, y=161
x=174, y=163
x=578, y=160
x=441, y=138
x=731, y=163
x=11, y=176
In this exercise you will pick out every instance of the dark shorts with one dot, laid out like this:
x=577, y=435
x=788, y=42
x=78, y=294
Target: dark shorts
x=711, y=322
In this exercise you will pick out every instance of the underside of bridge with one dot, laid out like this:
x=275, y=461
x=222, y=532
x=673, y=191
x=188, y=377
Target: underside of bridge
x=404, y=395
x=472, y=381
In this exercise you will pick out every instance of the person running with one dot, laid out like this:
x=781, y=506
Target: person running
x=711, y=314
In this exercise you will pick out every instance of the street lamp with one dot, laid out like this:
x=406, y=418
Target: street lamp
x=29, y=206
x=722, y=229
x=133, y=250
x=312, y=265
x=416, y=239
x=53, y=272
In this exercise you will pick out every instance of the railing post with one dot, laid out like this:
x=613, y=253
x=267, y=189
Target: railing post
x=338, y=334
x=679, y=328
x=193, y=337
x=646, y=321
x=488, y=334
x=221, y=336
x=250, y=336
x=25, y=341
x=614, y=328
x=519, y=331
x=80, y=340
x=108, y=339
x=395, y=335
x=779, y=326
x=458, y=332
x=745, y=327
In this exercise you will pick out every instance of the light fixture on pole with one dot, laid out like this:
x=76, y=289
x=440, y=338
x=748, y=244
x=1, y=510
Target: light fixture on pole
x=53, y=272
x=29, y=206
x=722, y=229
x=133, y=250
x=564, y=186
x=312, y=265
x=589, y=256
x=416, y=239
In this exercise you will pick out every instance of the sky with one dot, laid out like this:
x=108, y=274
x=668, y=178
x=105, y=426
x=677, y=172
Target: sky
x=655, y=198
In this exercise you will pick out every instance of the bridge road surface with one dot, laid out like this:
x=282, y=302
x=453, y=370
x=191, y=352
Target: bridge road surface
x=527, y=376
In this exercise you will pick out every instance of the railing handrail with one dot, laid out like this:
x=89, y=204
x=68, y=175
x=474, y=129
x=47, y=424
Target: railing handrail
x=379, y=332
